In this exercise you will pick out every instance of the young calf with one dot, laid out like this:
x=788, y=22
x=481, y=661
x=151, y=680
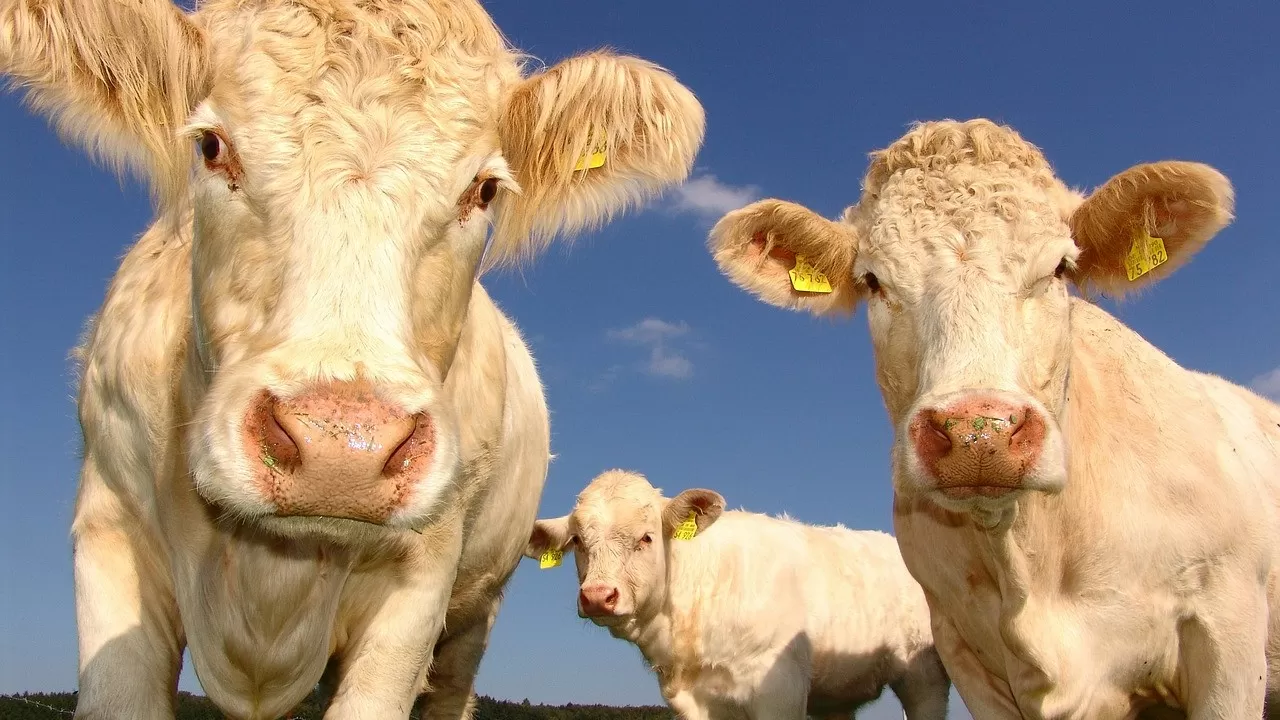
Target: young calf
x=763, y=615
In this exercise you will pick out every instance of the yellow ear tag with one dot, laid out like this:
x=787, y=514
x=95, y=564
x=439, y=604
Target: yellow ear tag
x=1145, y=254
x=806, y=278
x=550, y=559
x=687, y=529
x=594, y=160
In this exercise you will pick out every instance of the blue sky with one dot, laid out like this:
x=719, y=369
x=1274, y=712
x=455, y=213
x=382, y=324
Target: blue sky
x=651, y=360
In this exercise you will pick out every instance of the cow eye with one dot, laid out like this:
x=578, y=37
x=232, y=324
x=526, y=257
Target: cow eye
x=1061, y=269
x=488, y=190
x=211, y=146
x=873, y=282
x=647, y=539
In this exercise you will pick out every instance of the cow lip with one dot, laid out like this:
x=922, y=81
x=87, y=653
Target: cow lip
x=976, y=490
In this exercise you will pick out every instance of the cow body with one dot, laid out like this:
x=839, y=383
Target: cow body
x=1115, y=595
x=1095, y=528
x=754, y=614
x=262, y=616
x=313, y=447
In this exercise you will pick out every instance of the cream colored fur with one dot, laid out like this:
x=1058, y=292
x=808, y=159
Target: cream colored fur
x=1136, y=569
x=755, y=615
x=335, y=234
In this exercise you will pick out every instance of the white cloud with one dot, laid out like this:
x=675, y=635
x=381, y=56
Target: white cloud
x=658, y=336
x=1268, y=384
x=709, y=198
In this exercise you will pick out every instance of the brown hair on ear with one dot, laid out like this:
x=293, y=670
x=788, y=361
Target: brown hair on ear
x=756, y=247
x=1182, y=203
x=705, y=506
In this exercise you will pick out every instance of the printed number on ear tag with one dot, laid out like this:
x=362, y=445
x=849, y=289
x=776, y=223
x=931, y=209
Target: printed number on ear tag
x=806, y=278
x=1145, y=254
x=687, y=529
x=591, y=161
x=550, y=559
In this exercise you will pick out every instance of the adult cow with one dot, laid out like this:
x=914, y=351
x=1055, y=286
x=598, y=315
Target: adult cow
x=309, y=434
x=1095, y=527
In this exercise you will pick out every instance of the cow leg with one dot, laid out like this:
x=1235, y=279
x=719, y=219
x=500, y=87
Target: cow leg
x=1225, y=658
x=782, y=695
x=924, y=689
x=985, y=696
x=452, y=677
x=687, y=707
x=130, y=634
x=381, y=667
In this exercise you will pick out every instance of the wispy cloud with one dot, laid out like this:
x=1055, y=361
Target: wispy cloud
x=1268, y=384
x=664, y=357
x=708, y=198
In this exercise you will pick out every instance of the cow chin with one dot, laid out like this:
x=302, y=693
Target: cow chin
x=979, y=451
x=334, y=461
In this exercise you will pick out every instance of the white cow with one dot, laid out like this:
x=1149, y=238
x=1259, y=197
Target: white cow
x=1095, y=528
x=758, y=615
x=310, y=438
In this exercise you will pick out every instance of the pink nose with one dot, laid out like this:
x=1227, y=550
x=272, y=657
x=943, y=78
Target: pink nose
x=337, y=450
x=980, y=445
x=598, y=599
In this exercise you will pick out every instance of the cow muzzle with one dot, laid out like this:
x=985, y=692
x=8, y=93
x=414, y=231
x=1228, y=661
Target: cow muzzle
x=598, y=601
x=978, y=444
x=337, y=450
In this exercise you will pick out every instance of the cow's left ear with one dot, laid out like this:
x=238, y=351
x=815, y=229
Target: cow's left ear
x=586, y=139
x=1182, y=204
x=705, y=506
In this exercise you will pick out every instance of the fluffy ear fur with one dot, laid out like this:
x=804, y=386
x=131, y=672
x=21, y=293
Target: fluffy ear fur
x=551, y=534
x=648, y=126
x=1185, y=204
x=120, y=78
x=756, y=248
x=706, y=506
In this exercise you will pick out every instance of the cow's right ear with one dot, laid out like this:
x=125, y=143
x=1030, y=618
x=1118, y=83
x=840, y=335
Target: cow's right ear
x=551, y=534
x=759, y=248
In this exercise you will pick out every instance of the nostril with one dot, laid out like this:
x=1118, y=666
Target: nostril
x=279, y=447
x=612, y=599
x=416, y=443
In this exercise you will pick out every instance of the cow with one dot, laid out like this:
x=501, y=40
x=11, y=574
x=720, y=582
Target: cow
x=760, y=617
x=1095, y=527
x=313, y=444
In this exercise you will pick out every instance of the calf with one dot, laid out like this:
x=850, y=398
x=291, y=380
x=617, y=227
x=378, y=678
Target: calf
x=760, y=615
x=1095, y=527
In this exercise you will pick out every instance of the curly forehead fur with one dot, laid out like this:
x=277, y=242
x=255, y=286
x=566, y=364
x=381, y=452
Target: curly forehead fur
x=937, y=146
x=617, y=487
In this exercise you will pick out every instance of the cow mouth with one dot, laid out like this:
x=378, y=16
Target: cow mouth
x=964, y=492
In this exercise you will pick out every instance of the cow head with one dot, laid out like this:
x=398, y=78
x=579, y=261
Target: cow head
x=345, y=167
x=619, y=533
x=963, y=246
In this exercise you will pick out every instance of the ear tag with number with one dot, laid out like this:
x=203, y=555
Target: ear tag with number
x=593, y=159
x=688, y=528
x=1145, y=254
x=550, y=559
x=806, y=278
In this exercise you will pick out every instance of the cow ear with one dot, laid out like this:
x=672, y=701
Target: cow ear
x=705, y=506
x=550, y=534
x=587, y=139
x=764, y=247
x=1144, y=223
